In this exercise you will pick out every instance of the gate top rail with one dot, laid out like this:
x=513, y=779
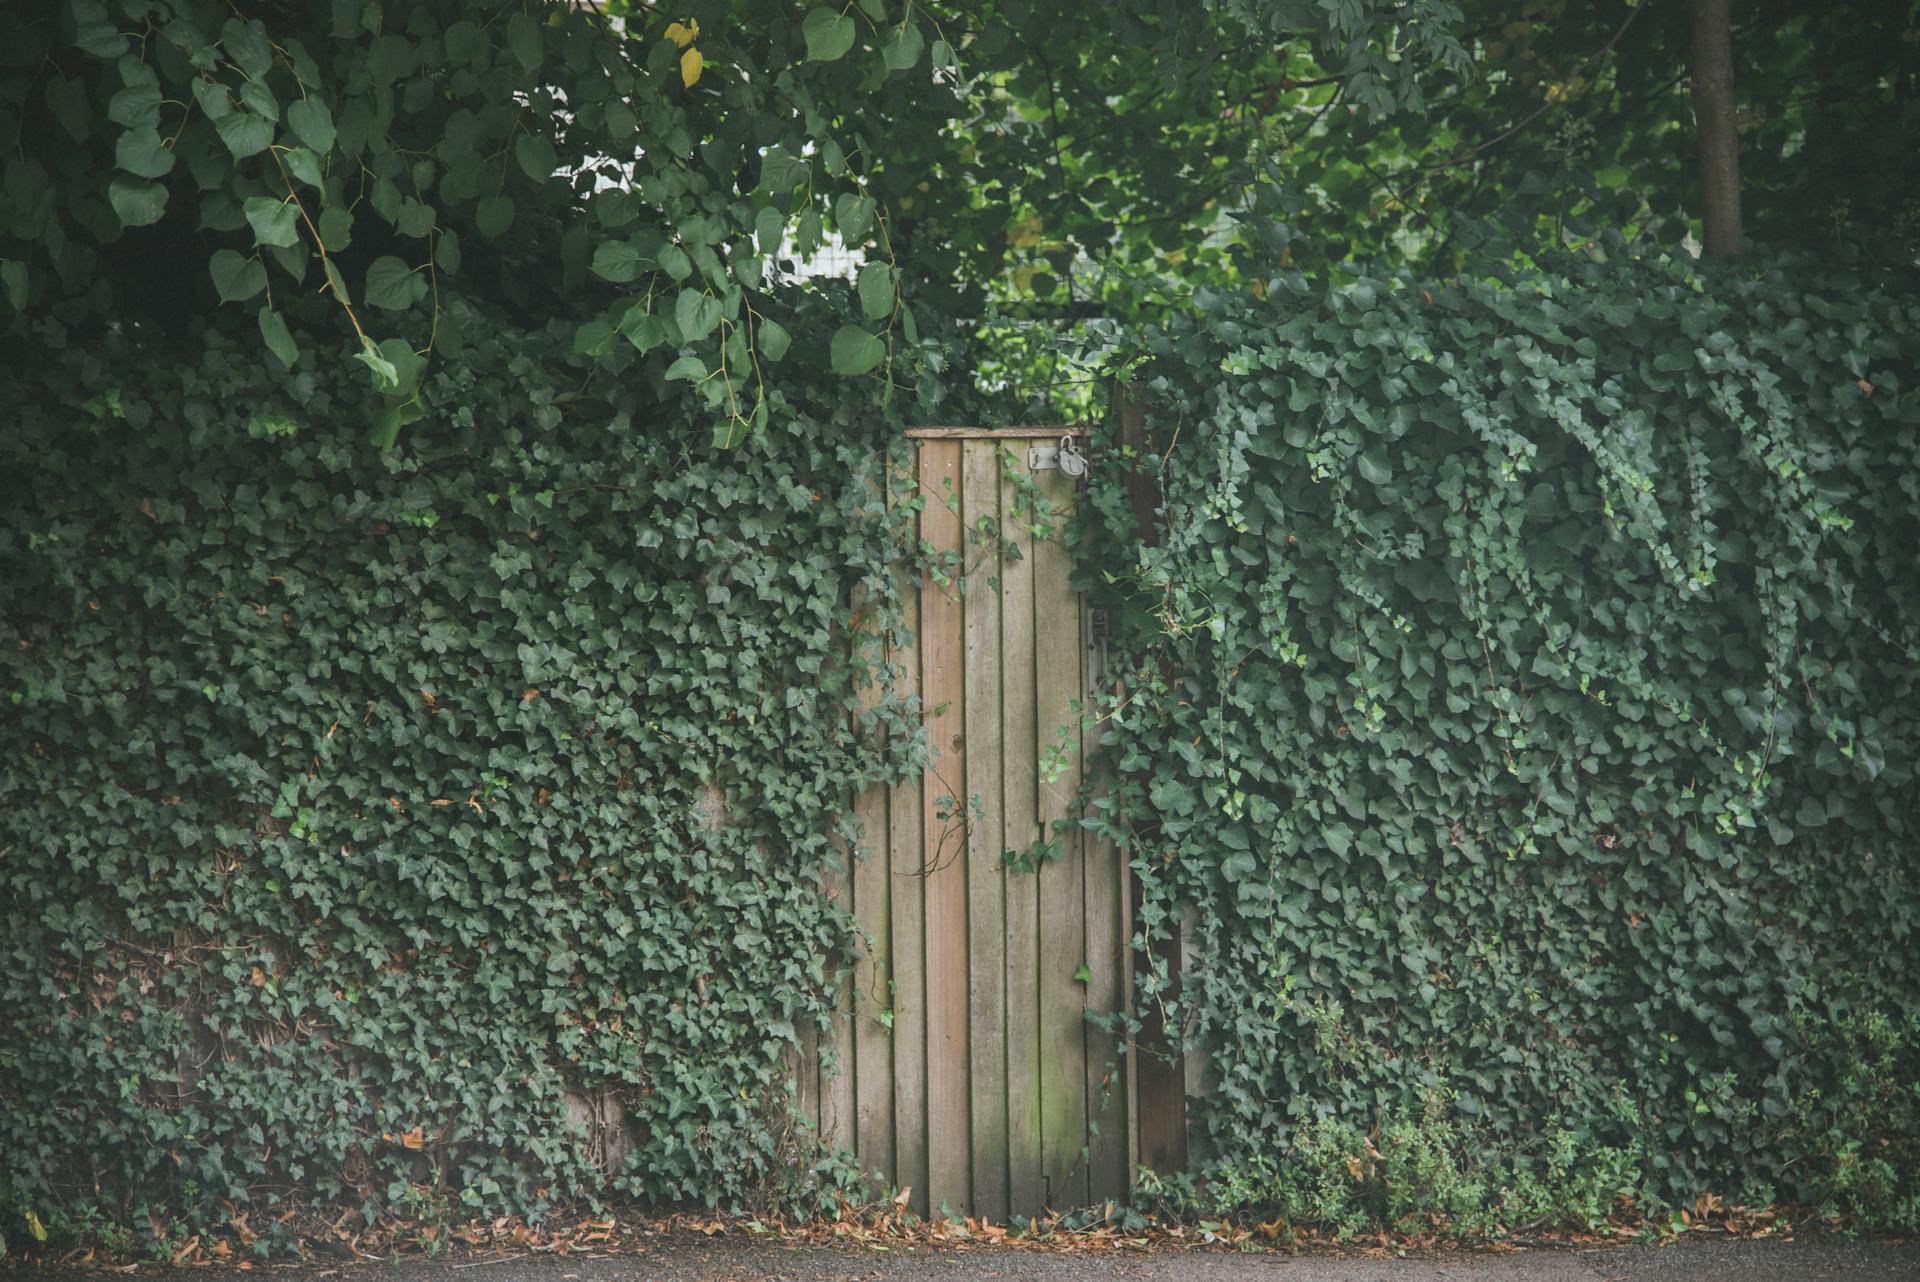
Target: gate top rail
x=994, y=433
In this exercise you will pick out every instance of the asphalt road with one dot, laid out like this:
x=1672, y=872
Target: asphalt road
x=694, y=1259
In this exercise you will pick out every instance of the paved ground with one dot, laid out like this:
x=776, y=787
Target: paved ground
x=700, y=1260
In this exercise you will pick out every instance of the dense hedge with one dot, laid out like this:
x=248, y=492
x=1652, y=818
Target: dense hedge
x=1524, y=706
x=357, y=808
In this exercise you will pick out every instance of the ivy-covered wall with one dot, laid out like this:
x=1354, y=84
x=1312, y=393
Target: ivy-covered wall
x=367, y=820
x=1523, y=704
x=1520, y=709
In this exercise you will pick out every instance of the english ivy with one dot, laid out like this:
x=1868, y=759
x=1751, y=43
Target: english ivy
x=1521, y=705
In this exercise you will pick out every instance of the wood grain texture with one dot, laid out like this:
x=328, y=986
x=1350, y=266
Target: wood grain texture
x=906, y=921
x=836, y=1039
x=986, y=867
x=1020, y=796
x=995, y=433
x=1057, y=682
x=969, y=1071
x=944, y=800
x=872, y=1040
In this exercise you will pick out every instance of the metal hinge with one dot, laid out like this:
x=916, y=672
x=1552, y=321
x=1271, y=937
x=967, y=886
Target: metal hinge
x=1065, y=457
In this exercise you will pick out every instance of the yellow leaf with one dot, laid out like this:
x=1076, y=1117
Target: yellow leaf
x=690, y=64
x=35, y=1228
x=684, y=34
x=1023, y=279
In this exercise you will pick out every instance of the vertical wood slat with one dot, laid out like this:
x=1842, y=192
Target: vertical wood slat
x=906, y=922
x=1026, y=1187
x=942, y=674
x=872, y=1059
x=1063, y=1049
x=979, y=1098
x=986, y=870
x=806, y=1065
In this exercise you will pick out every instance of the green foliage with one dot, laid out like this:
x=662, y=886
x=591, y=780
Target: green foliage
x=1422, y=1172
x=1521, y=698
x=362, y=173
x=362, y=808
x=1576, y=119
x=1853, y=1135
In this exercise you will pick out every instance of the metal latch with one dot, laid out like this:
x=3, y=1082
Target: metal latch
x=1065, y=457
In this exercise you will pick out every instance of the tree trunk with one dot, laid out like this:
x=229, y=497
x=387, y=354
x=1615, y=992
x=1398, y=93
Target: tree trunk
x=1719, y=132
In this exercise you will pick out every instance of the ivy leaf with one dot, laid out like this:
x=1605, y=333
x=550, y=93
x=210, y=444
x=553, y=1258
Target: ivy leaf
x=274, y=222
x=903, y=46
x=674, y=261
x=536, y=155
x=312, y=123
x=829, y=34
x=1083, y=974
x=524, y=39
x=493, y=215
x=279, y=341
x=853, y=216
x=137, y=105
x=244, y=133
x=769, y=228
x=370, y=355
x=774, y=340
x=236, y=278
x=617, y=261
x=336, y=228
x=1374, y=467
x=415, y=219
x=304, y=166
x=141, y=151
x=876, y=290
x=781, y=171
x=14, y=277
x=854, y=351
x=643, y=330
x=392, y=284
x=137, y=201
x=594, y=338
x=384, y=431
x=696, y=313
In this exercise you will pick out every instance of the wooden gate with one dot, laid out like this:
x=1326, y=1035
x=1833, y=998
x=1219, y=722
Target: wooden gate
x=967, y=1069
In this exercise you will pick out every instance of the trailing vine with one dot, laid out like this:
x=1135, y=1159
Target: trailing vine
x=1522, y=685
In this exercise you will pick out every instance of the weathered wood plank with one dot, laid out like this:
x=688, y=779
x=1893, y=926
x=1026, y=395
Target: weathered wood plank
x=1063, y=1051
x=907, y=997
x=996, y=433
x=986, y=870
x=872, y=1040
x=806, y=1076
x=1026, y=1188
x=944, y=802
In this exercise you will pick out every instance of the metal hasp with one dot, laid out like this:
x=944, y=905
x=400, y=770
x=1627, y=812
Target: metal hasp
x=1065, y=457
